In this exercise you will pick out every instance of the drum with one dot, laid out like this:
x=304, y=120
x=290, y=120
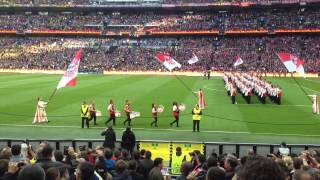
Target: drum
x=182, y=107
x=160, y=109
x=98, y=113
x=134, y=114
x=118, y=114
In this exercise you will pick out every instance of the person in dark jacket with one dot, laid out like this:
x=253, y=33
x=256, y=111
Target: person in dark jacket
x=109, y=138
x=147, y=162
x=121, y=171
x=128, y=140
x=139, y=167
x=133, y=171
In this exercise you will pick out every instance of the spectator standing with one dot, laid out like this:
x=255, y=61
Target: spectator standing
x=133, y=171
x=121, y=171
x=128, y=140
x=155, y=173
x=85, y=171
x=176, y=161
x=147, y=162
x=109, y=138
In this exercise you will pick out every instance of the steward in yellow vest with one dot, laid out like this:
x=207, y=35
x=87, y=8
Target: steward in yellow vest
x=176, y=161
x=85, y=113
x=196, y=117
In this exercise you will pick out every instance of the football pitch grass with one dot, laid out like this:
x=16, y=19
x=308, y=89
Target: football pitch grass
x=292, y=121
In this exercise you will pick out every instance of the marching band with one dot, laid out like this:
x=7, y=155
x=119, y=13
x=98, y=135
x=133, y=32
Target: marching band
x=248, y=85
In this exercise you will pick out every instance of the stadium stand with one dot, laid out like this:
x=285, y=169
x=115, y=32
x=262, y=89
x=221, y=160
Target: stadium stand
x=217, y=53
x=269, y=19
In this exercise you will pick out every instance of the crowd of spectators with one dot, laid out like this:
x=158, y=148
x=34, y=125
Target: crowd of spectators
x=216, y=53
x=24, y=162
x=105, y=2
x=151, y=21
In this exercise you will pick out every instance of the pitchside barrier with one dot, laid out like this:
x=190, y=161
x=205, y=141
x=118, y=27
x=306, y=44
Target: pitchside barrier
x=164, y=149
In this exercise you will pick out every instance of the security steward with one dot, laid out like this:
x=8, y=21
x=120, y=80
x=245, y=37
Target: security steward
x=177, y=160
x=85, y=113
x=196, y=117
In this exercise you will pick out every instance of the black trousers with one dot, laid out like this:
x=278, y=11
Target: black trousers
x=248, y=99
x=113, y=118
x=196, y=124
x=127, y=120
x=155, y=121
x=85, y=120
x=233, y=99
x=94, y=117
x=176, y=120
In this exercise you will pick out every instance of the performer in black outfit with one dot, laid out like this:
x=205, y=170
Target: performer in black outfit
x=93, y=115
x=127, y=109
x=112, y=113
x=175, y=113
x=154, y=115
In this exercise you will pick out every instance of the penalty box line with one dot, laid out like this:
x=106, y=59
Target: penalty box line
x=172, y=130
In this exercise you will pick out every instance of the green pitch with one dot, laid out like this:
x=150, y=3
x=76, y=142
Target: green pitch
x=292, y=121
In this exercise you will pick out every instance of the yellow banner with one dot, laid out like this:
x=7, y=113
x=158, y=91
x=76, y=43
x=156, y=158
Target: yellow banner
x=158, y=149
x=187, y=148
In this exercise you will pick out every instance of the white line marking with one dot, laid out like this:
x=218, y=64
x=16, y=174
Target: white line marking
x=316, y=81
x=205, y=87
x=275, y=105
x=156, y=129
x=309, y=88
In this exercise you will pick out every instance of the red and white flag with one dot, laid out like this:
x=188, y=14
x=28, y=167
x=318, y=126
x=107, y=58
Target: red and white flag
x=238, y=61
x=70, y=76
x=193, y=60
x=167, y=61
x=201, y=101
x=292, y=62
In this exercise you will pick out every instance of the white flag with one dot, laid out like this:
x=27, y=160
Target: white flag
x=194, y=59
x=238, y=62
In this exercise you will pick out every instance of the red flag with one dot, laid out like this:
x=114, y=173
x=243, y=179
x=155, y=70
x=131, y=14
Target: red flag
x=292, y=62
x=70, y=76
x=167, y=61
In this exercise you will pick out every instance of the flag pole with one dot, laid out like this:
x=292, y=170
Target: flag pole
x=296, y=81
x=53, y=93
x=301, y=88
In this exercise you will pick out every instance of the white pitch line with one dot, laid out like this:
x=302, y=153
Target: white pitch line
x=205, y=87
x=308, y=88
x=174, y=130
x=275, y=105
x=312, y=80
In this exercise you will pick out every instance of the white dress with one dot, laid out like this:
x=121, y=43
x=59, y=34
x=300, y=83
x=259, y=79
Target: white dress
x=40, y=115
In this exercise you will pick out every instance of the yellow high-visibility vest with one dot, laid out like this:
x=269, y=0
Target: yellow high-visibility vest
x=176, y=163
x=196, y=115
x=85, y=111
